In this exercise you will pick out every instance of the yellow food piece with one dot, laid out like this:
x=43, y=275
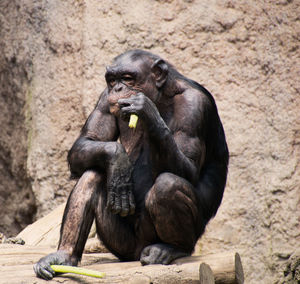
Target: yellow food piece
x=133, y=120
x=77, y=270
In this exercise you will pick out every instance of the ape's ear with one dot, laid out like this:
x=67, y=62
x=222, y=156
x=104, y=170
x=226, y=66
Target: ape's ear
x=160, y=70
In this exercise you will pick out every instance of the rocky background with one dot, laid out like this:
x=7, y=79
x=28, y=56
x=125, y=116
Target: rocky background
x=52, y=61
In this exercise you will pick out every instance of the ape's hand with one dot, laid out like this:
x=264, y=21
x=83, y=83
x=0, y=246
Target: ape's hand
x=43, y=268
x=120, y=199
x=145, y=109
x=138, y=104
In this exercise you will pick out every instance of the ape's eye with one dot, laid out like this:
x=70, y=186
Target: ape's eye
x=127, y=78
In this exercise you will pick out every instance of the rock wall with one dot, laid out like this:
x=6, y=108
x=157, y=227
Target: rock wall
x=17, y=202
x=52, y=62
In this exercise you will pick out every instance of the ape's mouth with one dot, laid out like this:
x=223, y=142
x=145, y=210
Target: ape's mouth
x=113, y=99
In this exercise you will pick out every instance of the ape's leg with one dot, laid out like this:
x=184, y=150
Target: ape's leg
x=177, y=218
x=116, y=232
x=76, y=224
x=79, y=215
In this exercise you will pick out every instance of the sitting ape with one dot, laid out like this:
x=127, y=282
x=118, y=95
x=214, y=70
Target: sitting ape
x=153, y=192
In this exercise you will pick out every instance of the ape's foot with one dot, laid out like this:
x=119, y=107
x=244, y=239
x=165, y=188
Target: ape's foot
x=160, y=254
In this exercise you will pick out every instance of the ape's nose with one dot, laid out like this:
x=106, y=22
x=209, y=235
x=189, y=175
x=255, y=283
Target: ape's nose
x=119, y=87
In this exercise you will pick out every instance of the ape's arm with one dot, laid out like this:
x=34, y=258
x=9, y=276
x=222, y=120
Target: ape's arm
x=96, y=148
x=182, y=151
x=96, y=142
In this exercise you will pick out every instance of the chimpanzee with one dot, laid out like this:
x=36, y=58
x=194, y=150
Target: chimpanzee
x=153, y=191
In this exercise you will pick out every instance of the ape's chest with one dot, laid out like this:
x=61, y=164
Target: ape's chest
x=132, y=143
x=142, y=152
x=131, y=139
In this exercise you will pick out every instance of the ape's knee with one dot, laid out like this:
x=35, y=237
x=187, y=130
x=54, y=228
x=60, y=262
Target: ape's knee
x=85, y=188
x=170, y=191
x=161, y=191
x=171, y=188
x=165, y=183
x=90, y=178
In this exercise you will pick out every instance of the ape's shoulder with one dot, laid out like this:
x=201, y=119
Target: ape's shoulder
x=193, y=93
x=193, y=102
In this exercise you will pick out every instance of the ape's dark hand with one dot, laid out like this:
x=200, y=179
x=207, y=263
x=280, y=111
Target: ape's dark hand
x=137, y=104
x=120, y=199
x=43, y=268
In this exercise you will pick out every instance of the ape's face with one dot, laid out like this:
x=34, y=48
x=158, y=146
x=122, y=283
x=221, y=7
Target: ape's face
x=127, y=77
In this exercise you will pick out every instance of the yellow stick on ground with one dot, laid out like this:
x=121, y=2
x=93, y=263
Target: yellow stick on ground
x=133, y=121
x=77, y=270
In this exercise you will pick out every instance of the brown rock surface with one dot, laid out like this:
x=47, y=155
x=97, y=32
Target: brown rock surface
x=52, y=61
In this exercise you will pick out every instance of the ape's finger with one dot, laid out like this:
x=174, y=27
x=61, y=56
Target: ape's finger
x=145, y=260
x=116, y=208
x=164, y=258
x=110, y=199
x=131, y=203
x=42, y=272
x=125, y=102
x=46, y=274
x=128, y=110
x=125, y=203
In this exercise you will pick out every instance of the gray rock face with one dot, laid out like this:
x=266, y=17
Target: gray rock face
x=52, y=61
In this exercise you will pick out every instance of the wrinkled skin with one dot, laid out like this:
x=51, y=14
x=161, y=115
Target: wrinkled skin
x=160, y=254
x=43, y=269
x=153, y=189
